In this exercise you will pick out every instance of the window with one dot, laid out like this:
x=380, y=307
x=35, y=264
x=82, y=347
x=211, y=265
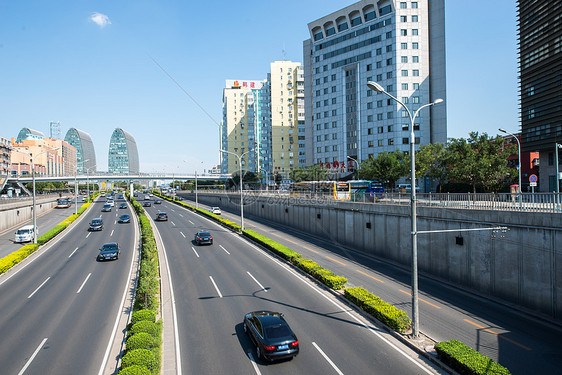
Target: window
x=414, y=18
x=415, y=32
x=404, y=73
x=389, y=48
x=370, y=105
x=379, y=143
x=317, y=70
x=416, y=126
x=325, y=68
x=370, y=144
x=379, y=77
x=370, y=118
x=378, y=51
x=325, y=79
x=334, y=100
x=326, y=102
x=404, y=113
x=379, y=116
x=414, y=4
x=325, y=91
x=370, y=131
x=318, y=138
x=326, y=126
x=379, y=64
x=334, y=124
x=326, y=114
x=334, y=112
x=317, y=81
x=388, y=61
x=416, y=99
x=334, y=135
x=333, y=88
x=333, y=77
x=403, y=19
x=369, y=92
x=318, y=150
x=390, y=115
x=369, y=67
x=404, y=141
x=318, y=116
x=416, y=86
x=405, y=127
x=404, y=32
x=356, y=21
x=403, y=5
x=390, y=141
x=388, y=75
x=404, y=86
x=405, y=99
x=326, y=137
x=404, y=59
x=415, y=45
x=415, y=59
x=317, y=92
x=335, y=148
x=318, y=126
x=389, y=88
x=317, y=59
x=388, y=34
x=416, y=73
x=380, y=129
x=402, y=46
x=379, y=103
x=390, y=128
x=417, y=140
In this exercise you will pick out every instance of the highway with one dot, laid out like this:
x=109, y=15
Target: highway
x=45, y=222
x=216, y=285
x=59, y=308
x=519, y=341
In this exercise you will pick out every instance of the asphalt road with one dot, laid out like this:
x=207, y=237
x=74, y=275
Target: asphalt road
x=216, y=285
x=521, y=342
x=58, y=311
x=45, y=222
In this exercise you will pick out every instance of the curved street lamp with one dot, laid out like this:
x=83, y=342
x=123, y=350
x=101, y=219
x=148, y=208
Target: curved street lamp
x=415, y=311
x=241, y=195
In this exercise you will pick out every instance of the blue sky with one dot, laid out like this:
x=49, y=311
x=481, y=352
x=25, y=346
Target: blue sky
x=63, y=61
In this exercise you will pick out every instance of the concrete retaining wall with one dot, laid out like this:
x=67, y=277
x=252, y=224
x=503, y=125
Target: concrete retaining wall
x=17, y=212
x=522, y=266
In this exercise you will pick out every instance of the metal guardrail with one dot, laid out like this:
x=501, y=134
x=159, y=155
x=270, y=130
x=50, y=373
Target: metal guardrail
x=524, y=202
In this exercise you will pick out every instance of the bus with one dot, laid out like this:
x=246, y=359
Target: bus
x=63, y=202
x=364, y=190
x=320, y=189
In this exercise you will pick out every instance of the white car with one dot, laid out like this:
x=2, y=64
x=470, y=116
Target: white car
x=215, y=210
x=111, y=202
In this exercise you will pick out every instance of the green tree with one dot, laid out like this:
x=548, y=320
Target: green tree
x=479, y=161
x=431, y=162
x=387, y=166
x=309, y=173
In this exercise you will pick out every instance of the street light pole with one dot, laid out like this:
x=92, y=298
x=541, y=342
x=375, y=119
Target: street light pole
x=519, y=159
x=241, y=193
x=415, y=311
x=556, y=147
x=88, y=181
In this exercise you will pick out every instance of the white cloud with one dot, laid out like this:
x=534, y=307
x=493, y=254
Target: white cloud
x=100, y=19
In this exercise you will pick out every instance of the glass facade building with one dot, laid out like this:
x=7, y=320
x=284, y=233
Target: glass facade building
x=123, y=154
x=85, y=152
x=27, y=133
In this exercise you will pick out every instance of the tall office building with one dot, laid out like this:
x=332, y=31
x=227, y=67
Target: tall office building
x=85, y=152
x=400, y=45
x=123, y=154
x=540, y=75
x=27, y=134
x=242, y=131
x=286, y=90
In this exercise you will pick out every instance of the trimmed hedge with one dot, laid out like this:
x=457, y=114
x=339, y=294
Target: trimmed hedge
x=327, y=277
x=145, y=326
x=467, y=361
x=141, y=315
x=141, y=340
x=141, y=357
x=395, y=318
x=135, y=370
x=268, y=243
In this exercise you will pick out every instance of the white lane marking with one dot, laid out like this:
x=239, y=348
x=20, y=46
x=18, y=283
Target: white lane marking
x=183, y=234
x=111, y=233
x=88, y=235
x=33, y=356
x=179, y=214
x=327, y=358
x=191, y=222
x=342, y=308
x=71, y=254
x=224, y=249
x=216, y=287
x=257, y=282
x=172, y=223
x=195, y=251
x=125, y=293
x=31, y=295
x=256, y=368
x=84, y=283
x=115, y=222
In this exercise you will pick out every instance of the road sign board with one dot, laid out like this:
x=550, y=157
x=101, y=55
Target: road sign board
x=533, y=184
x=533, y=178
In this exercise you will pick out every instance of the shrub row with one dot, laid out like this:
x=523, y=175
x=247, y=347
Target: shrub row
x=467, y=361
x=17, y=256
x=143, y=348
x=388, y=314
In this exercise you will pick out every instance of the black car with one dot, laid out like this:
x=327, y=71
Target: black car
x=162, y=216
x=96, y=224
x=202, y=238
x=123, y=205
x=124, y=218
x=147, y=204
x=272, y=335
x=109, y=251
x=158, y=201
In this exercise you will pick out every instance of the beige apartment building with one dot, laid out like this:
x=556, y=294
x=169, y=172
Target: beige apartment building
x=59, y=162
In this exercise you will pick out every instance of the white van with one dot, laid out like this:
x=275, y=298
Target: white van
x=24, y=234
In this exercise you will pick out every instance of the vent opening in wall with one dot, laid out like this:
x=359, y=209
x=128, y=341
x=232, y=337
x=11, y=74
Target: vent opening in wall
x=318, y=216
x=262, y=206
x=460, y=240
x=286, y=210
x=368, y=225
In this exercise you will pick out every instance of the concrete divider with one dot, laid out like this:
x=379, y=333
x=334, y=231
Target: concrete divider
x=13, y=213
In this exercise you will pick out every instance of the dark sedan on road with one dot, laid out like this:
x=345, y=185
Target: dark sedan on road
x=147, y=204
x=271, y=334
x=162, y=216
x=96, y=224
x=202, y=238
x=109, y=251
x=123, y=205
x=158, y=201
x=124, y=218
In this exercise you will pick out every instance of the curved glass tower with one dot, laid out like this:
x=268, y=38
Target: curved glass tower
x=27, y=133
x=123, y=155
x=85, y=152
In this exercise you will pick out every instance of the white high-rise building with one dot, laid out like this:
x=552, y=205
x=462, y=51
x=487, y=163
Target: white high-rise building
x=400, y=45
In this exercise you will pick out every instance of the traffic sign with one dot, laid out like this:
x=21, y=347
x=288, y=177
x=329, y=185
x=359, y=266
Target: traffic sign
x=532, y=184
x=533, y=178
